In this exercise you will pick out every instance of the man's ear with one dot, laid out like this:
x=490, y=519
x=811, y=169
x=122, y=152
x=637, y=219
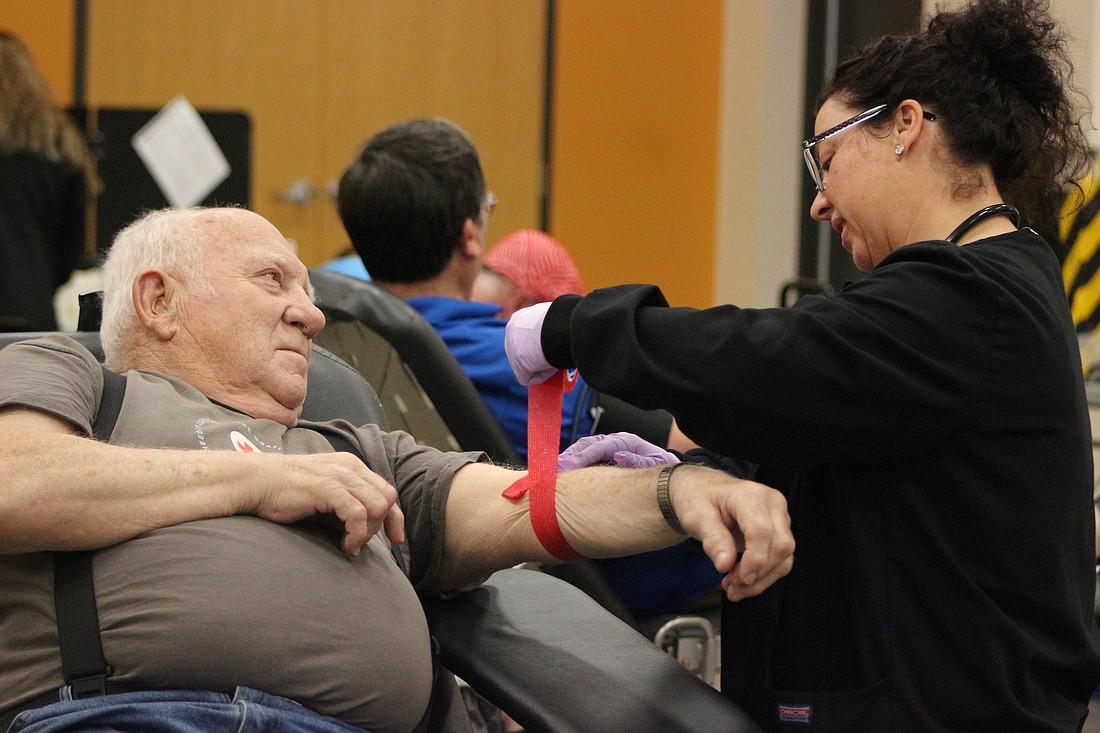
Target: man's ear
x=472, y=234
x=154, y=295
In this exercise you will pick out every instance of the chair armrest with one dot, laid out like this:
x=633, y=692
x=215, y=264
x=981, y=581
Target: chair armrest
x=554, y=660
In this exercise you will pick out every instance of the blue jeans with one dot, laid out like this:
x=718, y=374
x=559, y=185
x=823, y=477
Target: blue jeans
x=179, y=711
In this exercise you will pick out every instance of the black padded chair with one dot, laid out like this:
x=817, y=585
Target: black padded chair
x=426, y=393
x=422, y=387
x=536, y=647
x=406, y=361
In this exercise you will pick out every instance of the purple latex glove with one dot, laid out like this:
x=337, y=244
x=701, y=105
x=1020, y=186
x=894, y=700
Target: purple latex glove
x=622, y=449
x=523, y=344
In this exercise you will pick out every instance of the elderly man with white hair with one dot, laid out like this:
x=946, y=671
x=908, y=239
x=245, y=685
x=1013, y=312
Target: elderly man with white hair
x=217, y=604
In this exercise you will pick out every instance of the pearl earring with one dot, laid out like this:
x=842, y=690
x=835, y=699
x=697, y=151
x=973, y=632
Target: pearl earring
x=898, y=149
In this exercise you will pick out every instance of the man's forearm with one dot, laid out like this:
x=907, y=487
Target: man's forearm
x=64, y=492
x=89, y=495
x=605, y=511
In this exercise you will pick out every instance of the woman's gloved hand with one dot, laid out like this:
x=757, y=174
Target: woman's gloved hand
x=523, y=344
x=622, y=449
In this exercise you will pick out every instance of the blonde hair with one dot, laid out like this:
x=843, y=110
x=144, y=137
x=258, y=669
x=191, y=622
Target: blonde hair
x=30, y=121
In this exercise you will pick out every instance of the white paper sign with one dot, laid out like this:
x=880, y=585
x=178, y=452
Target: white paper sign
x=181, y=154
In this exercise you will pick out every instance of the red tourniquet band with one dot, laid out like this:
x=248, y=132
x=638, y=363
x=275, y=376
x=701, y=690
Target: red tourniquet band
x=543, y=436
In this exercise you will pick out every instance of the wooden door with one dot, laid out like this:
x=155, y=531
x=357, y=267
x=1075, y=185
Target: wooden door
x=317, y=77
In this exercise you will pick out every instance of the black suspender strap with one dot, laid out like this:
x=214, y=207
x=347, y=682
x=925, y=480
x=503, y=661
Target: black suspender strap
x=114, y=389
x=82, y=660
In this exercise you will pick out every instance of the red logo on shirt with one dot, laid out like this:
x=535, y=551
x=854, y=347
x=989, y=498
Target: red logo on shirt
x=242, y=444
x=796, y=714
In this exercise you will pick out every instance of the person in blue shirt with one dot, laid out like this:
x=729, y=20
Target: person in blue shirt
x=416, y=207
x=348, y=263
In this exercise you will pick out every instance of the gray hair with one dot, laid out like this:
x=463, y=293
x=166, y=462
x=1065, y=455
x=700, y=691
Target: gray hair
x=171, y=240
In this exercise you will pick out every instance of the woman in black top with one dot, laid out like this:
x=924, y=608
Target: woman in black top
x=928, y=424
x=46, y=173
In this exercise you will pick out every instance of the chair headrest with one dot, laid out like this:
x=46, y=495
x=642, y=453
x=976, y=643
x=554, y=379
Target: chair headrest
x=423, y=351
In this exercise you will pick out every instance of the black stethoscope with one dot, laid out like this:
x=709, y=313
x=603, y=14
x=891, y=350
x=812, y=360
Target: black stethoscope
x=971, y=221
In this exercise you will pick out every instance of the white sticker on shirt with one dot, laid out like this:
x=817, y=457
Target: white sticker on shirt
x=242, y=444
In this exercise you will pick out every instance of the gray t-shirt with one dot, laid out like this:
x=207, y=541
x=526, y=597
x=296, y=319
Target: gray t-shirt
x=217, y=603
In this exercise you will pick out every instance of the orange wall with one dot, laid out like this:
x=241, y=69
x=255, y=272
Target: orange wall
x=48, y=29
x=635, y=142
x=635, y=132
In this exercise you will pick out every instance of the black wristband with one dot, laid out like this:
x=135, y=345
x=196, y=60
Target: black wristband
x=663, y=501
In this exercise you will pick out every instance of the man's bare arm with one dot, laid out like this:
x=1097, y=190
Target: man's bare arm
x=606, y=511
x=62, y=491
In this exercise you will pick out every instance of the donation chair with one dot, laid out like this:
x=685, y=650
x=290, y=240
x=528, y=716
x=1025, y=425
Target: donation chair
x=536, y=647
x=422, y=387
x=425, y=392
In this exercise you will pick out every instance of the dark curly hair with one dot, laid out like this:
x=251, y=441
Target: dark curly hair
x=997, y=73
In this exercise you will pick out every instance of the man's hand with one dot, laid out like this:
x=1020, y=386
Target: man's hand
x=523, y=344
x=743, y=525
x=621, y=449
x=333, y=483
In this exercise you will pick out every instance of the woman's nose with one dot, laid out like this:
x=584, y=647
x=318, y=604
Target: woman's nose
x=820, y=208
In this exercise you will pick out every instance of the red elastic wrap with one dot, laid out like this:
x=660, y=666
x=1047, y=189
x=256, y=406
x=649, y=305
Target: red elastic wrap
x=543, y=431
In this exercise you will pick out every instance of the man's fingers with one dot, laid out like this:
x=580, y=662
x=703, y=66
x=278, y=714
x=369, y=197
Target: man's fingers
x=745, y=530
x=365, y=504
x=395, y=525
x=737, y=590
x=360, y=524
x=719, y=545
x=768, y=542
x=768, y=550
x=357, y=524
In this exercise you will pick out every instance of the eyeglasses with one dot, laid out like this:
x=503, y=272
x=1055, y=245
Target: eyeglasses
x=490, y=204
x=808, y=145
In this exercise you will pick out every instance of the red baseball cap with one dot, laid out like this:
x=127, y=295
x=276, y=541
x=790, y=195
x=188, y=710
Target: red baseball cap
x=538, y=265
